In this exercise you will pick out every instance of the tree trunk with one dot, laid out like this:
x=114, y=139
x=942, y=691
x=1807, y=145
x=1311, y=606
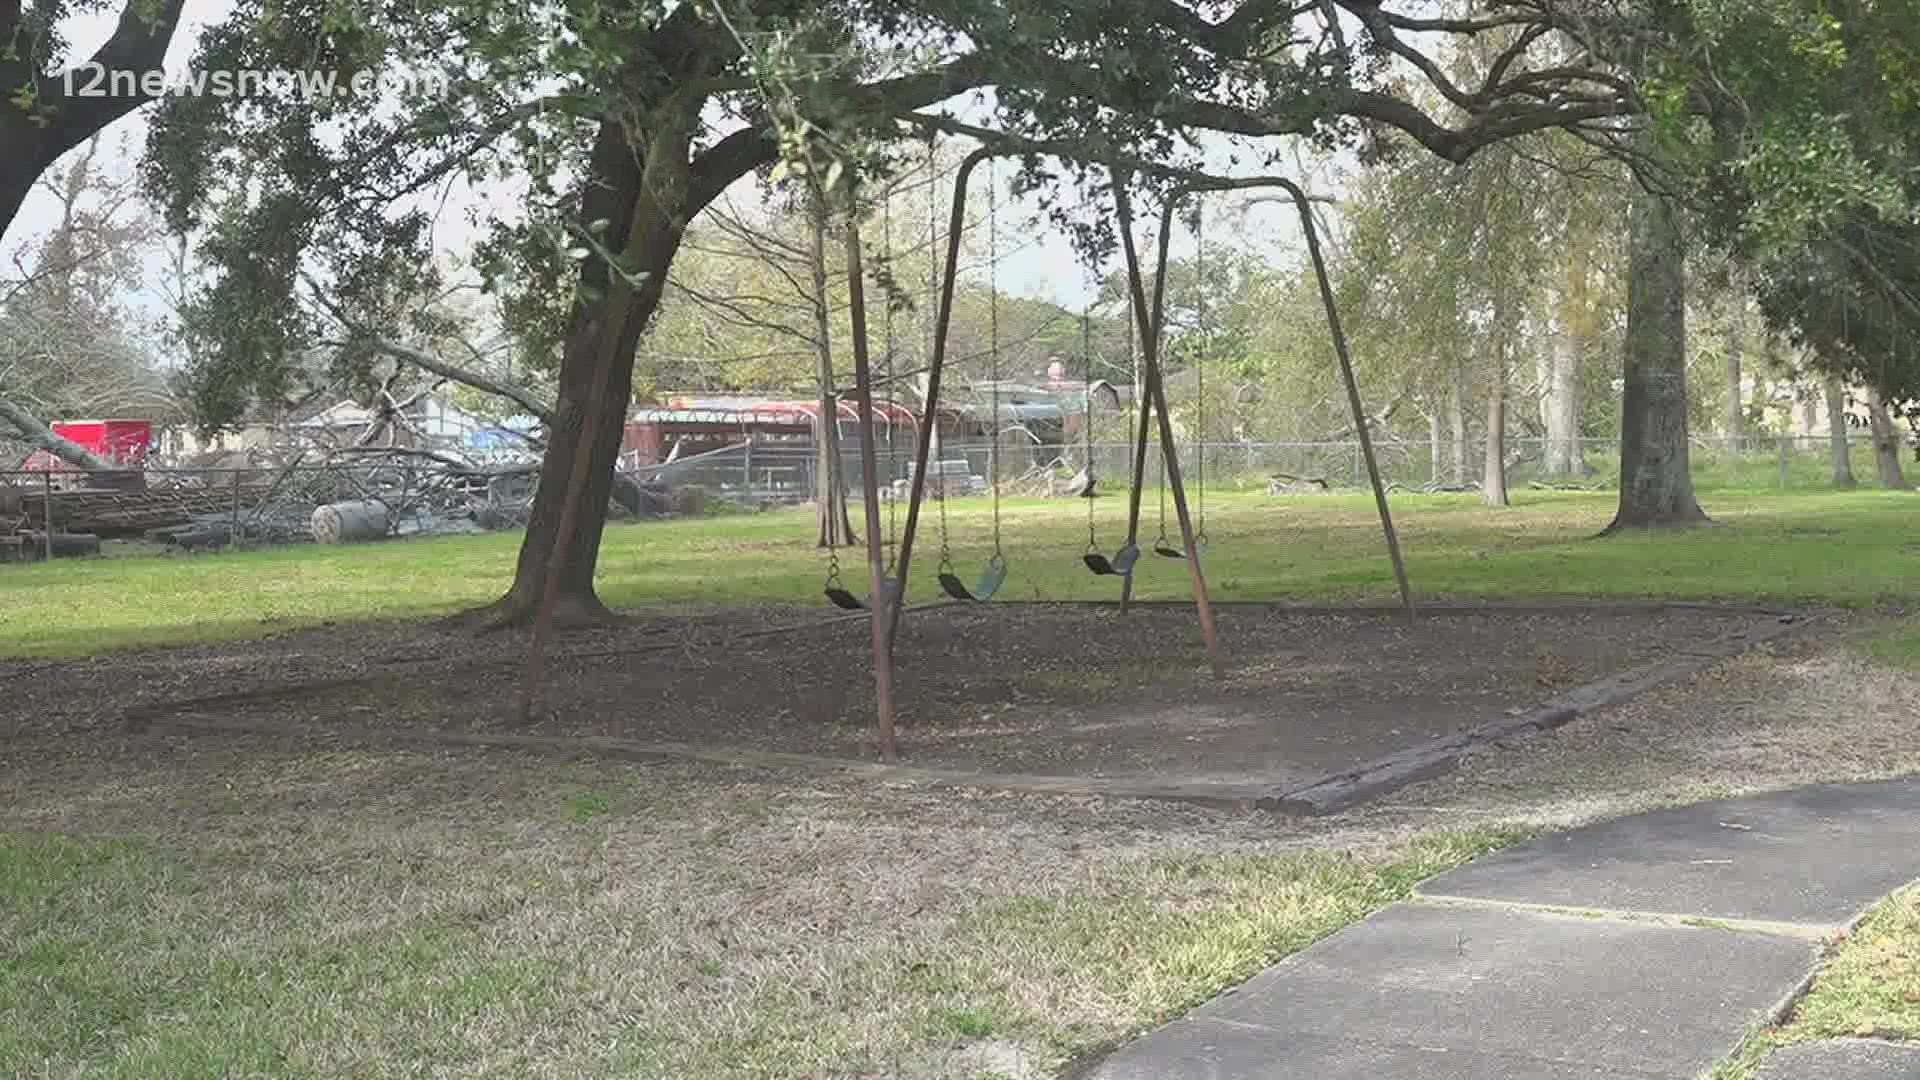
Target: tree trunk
x=1887, y=444
x=629, y=201
x=1736, y=413
x=1493, y=484
x=1656, y=486
x=835, y=527
x=1457, y=419
x=1837, y=433
x=1564, y=456
x=1434, y=441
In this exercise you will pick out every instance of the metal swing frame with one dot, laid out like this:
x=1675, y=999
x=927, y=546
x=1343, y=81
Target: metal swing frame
x=886, y=614
x=1199, y=541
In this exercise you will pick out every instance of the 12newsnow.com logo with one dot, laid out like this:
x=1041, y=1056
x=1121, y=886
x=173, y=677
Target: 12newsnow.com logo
x=94, y=79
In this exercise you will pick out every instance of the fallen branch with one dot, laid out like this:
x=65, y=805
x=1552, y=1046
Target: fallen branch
x=1286, y=483
x=426, y=361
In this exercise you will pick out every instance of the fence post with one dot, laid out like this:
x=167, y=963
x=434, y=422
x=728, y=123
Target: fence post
x=233, y=530
x=1783, y=462
x=46, y=512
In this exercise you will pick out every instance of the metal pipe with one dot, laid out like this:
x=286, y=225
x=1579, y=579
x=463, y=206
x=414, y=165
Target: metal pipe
x=882, y=607
x=1353, y=393
x=1137, y=311
x=1156, y=393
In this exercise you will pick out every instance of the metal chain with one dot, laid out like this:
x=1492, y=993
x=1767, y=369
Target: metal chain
x=1086, y=365
x=1160, y=483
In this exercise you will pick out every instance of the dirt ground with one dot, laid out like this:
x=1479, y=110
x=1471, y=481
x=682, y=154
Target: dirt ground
x=1057, y=690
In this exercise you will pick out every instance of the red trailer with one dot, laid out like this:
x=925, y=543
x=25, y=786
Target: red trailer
x=123, y=442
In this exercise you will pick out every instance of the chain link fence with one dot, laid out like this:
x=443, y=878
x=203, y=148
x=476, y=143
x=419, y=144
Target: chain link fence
x=401, y=493
x=1758, y=462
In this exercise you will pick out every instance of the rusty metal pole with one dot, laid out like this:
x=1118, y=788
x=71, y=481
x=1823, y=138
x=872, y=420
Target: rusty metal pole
x=1156, y=394
x=884, y=601
x=1145, y=325
x=1353, y=396
x=956, y=224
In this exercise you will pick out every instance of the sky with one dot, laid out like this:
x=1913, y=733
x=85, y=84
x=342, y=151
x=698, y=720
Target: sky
x=1036, y=261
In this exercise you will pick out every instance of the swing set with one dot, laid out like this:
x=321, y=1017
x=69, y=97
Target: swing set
x=886, y=597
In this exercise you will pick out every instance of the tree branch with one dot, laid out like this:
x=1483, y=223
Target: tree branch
x=138, y=45
x=426, y=361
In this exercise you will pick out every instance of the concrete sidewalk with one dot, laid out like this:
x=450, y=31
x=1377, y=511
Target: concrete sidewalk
x=1632, y=949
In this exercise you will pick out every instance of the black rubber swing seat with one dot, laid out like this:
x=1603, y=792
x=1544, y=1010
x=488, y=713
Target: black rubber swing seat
x=842, y=597
x=1121, y=563
x=1168, y=550
x=991, y=578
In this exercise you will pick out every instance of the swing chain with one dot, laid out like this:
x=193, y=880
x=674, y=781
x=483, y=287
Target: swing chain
x=1160, y=482
x=933, y=294
x=946, y=551
x=1086, y=376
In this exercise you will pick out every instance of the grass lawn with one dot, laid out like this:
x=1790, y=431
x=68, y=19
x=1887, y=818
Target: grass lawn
x=177, y=907
x=1868, y=987
x=1851, y=549
x=586, y=947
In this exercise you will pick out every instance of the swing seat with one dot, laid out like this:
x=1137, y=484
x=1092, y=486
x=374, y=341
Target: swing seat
x=991, y=578
x=844, y=598
x=1169, y=551
x=1121, y=564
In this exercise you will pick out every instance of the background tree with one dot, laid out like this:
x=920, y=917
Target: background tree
x=1811, y=182
x=70, y=345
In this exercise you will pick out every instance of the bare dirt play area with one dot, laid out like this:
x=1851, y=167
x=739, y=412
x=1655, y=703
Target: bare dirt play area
x=1055, y=690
